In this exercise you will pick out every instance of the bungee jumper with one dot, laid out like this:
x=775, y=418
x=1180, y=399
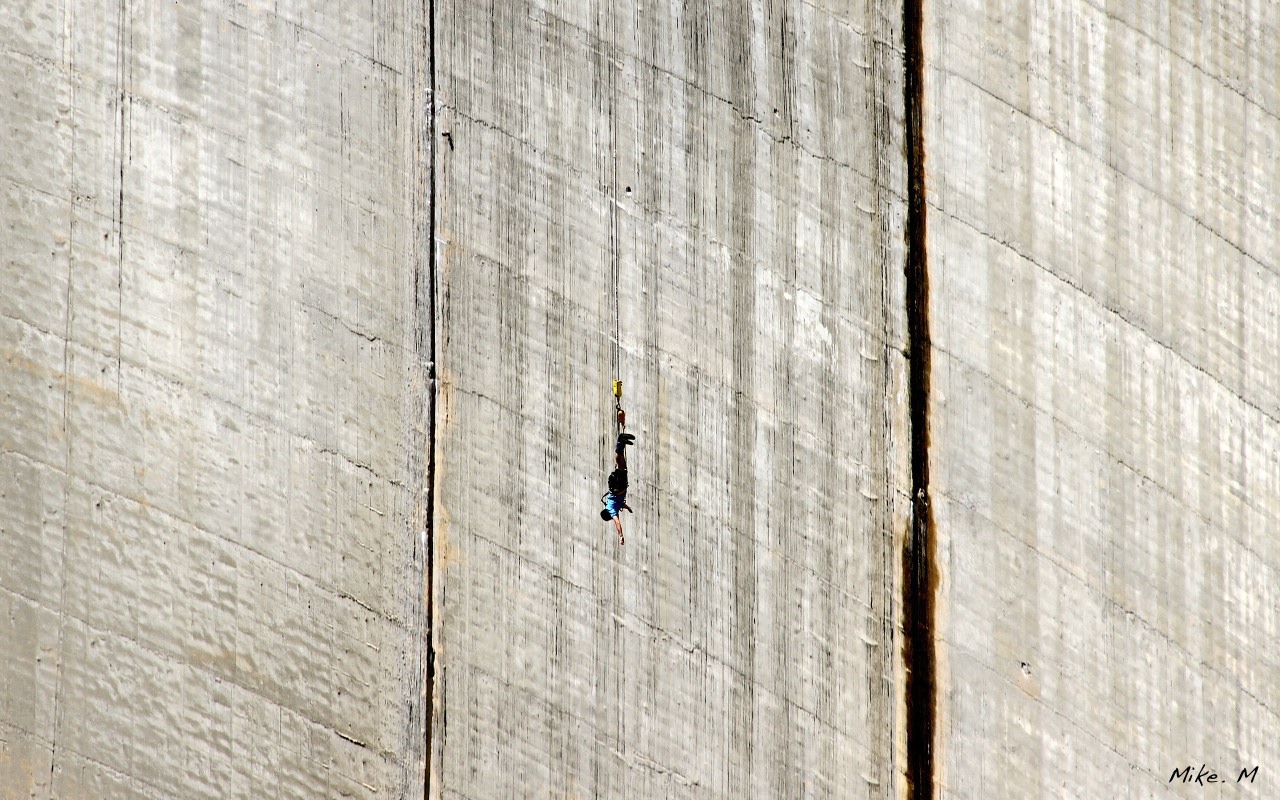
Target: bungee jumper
x=615, y=499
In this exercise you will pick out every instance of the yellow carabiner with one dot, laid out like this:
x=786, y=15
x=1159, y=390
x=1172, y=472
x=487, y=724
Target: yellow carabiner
x=617, y=389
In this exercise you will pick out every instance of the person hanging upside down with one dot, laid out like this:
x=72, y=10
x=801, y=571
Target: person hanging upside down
x=615, y=500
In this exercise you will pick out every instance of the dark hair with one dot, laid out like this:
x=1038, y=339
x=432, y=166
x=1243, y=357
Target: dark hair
x=605, y=515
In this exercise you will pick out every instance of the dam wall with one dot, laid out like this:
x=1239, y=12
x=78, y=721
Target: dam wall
x=742, y=642
x=947, y=332
x=212, y=438
x=1106, y=421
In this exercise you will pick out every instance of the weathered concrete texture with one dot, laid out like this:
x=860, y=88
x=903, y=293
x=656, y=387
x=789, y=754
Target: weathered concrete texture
x=1106, y=271
x=211, y=428
x=742, y=643
x=234, y=238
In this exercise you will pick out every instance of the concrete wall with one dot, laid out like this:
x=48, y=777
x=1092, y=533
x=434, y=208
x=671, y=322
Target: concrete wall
x=742, y=642
x=1106, y=289
x=236, y=242
x=211, y=427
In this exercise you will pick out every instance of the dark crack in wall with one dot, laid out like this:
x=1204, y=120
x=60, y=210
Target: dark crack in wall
x=920, y=550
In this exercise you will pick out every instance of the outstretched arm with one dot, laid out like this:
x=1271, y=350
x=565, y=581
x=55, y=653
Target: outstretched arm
x=617, y=524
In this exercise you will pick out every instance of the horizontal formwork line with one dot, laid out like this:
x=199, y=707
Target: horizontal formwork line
x=1115, y=313
x=1099, y=448
x=173, y=660
x=1172, y=203
x=178, y=523
x=1106, y=600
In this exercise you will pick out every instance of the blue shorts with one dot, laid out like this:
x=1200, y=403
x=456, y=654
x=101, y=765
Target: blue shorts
x=613, y=503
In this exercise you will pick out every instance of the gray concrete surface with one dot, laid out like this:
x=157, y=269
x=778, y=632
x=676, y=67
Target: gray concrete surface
x=236, y=238
x=211, y=429
x=742, y=643
x=1103, y=245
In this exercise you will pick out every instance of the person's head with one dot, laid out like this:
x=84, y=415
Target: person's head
x=605, y=515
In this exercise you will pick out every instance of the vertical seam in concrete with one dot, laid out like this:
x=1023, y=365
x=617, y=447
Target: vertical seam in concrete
x=69, y=297
x=429, y=665
x=919, y=570
x=124, y=145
